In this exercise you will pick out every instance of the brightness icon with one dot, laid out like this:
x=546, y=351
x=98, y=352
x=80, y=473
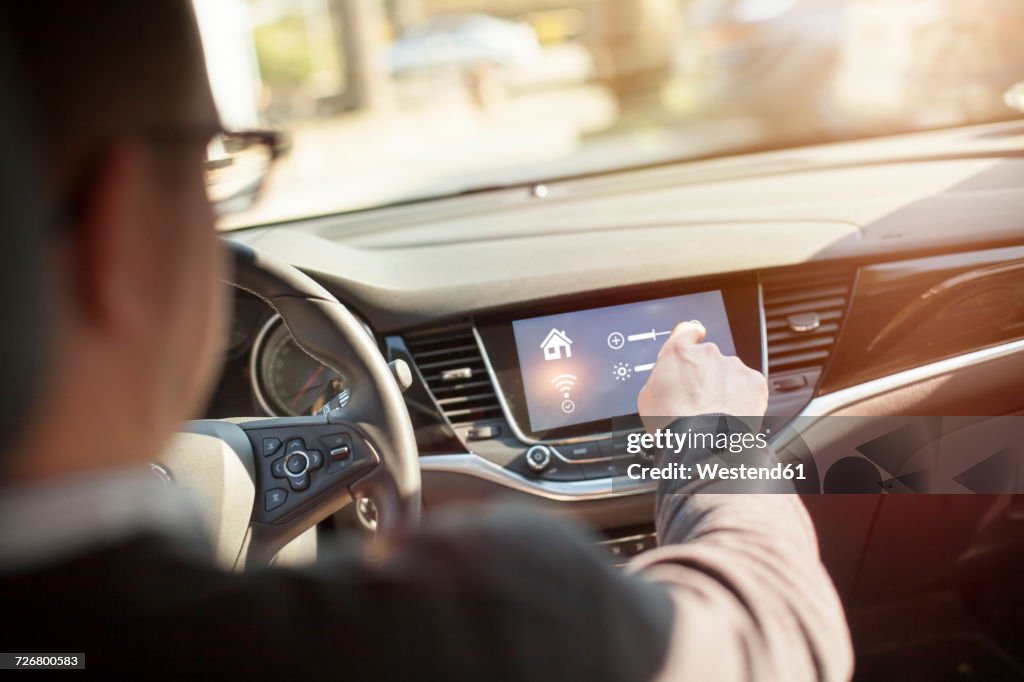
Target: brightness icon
x=622, y=371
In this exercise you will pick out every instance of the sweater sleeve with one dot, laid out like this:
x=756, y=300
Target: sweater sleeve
x=752, y=598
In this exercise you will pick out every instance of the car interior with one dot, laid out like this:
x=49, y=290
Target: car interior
x=905, y=254
x=384, y=364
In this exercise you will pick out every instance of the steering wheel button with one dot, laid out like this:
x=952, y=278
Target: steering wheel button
x=316, y=459
x=277, y=468
x=336, y=465
x=297, y=463
x=341, y=452
x=335, y=440
x=270, y=446
x=295, y=445
x=300, y=482
x=275, y=497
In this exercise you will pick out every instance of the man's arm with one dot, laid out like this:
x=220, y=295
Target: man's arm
x=753, y=600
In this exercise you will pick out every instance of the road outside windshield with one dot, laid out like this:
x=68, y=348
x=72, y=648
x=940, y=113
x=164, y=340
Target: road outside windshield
x=389, y=100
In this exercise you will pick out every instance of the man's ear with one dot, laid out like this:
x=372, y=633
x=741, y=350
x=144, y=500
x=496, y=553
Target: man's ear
x=113, y=250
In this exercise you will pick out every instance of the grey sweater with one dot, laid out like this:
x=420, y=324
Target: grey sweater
x=752, y=598
x=735, y=592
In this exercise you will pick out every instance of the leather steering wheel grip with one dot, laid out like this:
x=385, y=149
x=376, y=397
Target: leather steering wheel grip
x=332, y=335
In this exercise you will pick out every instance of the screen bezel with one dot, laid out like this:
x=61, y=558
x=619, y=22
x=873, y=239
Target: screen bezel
x=742, y=307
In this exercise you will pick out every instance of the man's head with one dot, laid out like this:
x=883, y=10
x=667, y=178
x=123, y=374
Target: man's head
x=122, y=110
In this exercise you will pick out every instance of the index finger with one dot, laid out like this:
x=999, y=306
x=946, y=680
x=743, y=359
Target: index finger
x=688, y=332
x=685, y=334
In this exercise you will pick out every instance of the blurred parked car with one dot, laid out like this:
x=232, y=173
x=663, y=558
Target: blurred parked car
x=463, y=41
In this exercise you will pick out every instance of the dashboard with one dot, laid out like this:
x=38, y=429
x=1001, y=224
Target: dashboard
x=530, y=322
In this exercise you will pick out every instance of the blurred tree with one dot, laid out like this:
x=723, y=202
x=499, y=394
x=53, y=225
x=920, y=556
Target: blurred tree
x=360, y=27
x=282, y=52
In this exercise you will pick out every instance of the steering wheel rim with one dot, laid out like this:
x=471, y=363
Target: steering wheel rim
x=333, y=336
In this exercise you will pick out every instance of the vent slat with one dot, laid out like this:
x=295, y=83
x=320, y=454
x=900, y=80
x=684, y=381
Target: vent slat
x=472, y=398
x=427, y=354
x=440, y=347
x=465, y=396
x=447, y=362
x=469, y=416
x=446, y=389
x=801, y=345
x=833, y=303
x=800, y=359
x=781, y=298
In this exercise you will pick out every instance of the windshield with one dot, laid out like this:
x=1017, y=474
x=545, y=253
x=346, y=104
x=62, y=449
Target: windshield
x=380, y=101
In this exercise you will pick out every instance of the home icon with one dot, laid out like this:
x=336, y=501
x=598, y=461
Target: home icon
x=555, y=344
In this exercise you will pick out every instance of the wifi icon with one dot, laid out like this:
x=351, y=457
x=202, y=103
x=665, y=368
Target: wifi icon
x=564, y=384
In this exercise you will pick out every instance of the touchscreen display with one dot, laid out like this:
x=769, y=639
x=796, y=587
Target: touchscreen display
x=590, y=365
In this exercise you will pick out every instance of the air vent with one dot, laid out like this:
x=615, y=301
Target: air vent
x=449, y=360
x=803, y=313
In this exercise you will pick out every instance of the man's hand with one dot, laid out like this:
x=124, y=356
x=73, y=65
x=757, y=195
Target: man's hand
x=692, y=378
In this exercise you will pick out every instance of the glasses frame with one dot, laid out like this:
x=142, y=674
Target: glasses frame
x=274, y=142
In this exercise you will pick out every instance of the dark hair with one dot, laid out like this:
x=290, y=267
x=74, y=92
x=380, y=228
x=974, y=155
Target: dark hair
x=93, y=71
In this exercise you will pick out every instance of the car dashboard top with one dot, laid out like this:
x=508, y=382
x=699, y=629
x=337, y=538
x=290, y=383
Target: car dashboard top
x=530, y=323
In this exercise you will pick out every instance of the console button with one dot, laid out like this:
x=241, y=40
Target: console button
x=607, y=468
x=614, y=447
x=316, y=459
x=277, y=468
x=580, y=451
x=270, y=446
x=538, y=458
x=274, y=498
x=562, y=471
x=300, y=482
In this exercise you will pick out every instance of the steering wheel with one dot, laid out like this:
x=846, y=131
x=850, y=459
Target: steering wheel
x=306, y=468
